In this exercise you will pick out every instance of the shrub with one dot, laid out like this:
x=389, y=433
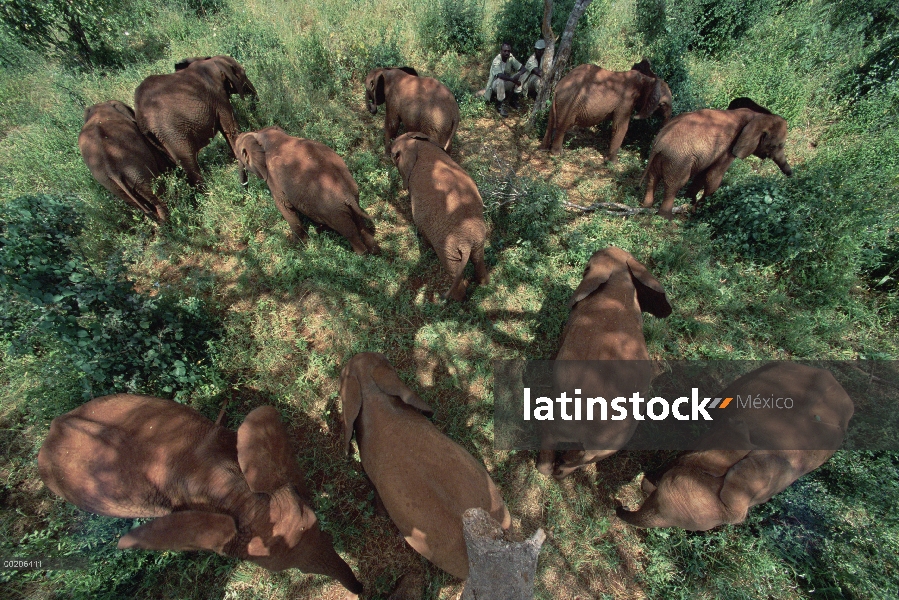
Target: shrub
x=453, y=26
x=117, y=338
x=522, y=209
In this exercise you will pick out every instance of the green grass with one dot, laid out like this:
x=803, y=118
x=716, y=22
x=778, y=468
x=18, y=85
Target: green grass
x=285, y=318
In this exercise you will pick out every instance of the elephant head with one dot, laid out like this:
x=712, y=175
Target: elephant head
x=754, y=454
x=120, y=107
x=250, y=157
x=237, y=494
x=375, y=84
x=224, y=69
x=655, y=97
x=764, y=135
x=404, y=153
x=605, y=264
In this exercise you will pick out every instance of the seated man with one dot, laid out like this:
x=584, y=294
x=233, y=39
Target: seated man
x=533, y=75
x=501, y=79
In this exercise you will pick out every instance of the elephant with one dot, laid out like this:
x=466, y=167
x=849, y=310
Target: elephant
x=606, y=325
x=307, y=178
x=701, y=145
x=181, y=112
x=420, y=103
x=121, y=159
x=589, y=95
x=446, y=207
x=239, y=494
x=424, y=480
x=753, y=455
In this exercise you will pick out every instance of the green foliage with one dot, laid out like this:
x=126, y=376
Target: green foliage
x=116, y=338
x=523, y=210
x=759, y=220
x=453, y=26
x=519, y=23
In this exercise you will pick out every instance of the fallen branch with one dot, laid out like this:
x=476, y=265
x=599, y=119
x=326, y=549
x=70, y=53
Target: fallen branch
x=616, y=208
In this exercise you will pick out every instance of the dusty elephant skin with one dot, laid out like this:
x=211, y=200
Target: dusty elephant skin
x=425, y=480
x=182, y=111
x=239, y=494
x=589, y=95
x=734, y=466
x=605, y=324
x=307, y=178
x=121, y=159
x=702, y=145
x=446, y=207
x=419, y=103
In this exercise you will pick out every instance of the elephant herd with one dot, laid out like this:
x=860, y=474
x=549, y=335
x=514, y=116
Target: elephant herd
x=242, y=493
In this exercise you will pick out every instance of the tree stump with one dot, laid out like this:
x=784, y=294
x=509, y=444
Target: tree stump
x=498, y=569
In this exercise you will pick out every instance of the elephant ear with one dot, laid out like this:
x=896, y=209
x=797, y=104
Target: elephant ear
x=186, y=62
x=650, y=95
x=752, y=136
x=405, y=155
x=184, y=531
x=650, y=293
x=380, y=83
x=408, y=70
x=264, y=453
x=233, y=78
x=388, y=381
x=645, y=67
x=124, y=109
x=252, y=154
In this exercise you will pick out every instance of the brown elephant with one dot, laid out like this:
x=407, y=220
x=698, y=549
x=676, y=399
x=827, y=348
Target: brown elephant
x=589, y=95
x=420, y=103
x=238, y=494
x=446, y=207
x=181, y=112
x=702, y=145
x=307, y=178
x=121, y=159
x=424, y=480
x=754, y=454
x=606, y=325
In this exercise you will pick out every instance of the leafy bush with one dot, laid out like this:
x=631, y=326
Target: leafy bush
x=453, y=26
x=522, y=209
x=759, y=220
x=519, y=23
x=116, y=337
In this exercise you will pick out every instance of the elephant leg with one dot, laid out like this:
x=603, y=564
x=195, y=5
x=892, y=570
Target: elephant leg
x=298, y=230
x=391, y=126
x=619, y=130
x=480, y=267
x=697, y=184
x=673, y=182
x=559, y=137
x=547, y=142
x=713, y=177
x=188, y=161
x=545, y=461
x=652, y=180
x=455, y=264
x=369, y=240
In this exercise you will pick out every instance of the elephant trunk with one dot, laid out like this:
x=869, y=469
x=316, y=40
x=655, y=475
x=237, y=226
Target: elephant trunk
x=244, y=180
x=370, y=104
x=647, y=516
x=784, y=167
x=249, y=90
x=319, y=556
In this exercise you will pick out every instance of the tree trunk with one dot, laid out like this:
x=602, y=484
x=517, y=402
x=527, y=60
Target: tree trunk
x=497, y=569
x=554, y=65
